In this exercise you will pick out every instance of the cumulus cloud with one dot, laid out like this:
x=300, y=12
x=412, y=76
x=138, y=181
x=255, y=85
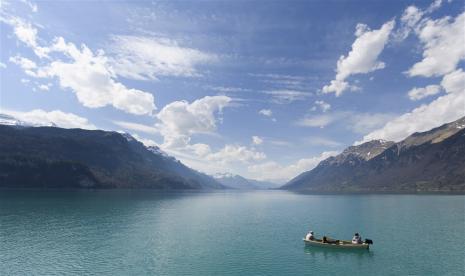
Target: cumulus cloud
x=236, y=153
x=143, y=58
x=257, y=140
x=444, y=109
x=272, y=170
x=454, y=82
x=443, y=49
x=89, y=77
x=362, y=59
x=82, y=71
x=2, y=65
x=55, y=117
x=180, y=119
x=321, y=105
x=442, y=41
x=423, y=92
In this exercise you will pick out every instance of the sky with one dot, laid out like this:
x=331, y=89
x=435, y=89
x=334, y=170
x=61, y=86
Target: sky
x=264, y=89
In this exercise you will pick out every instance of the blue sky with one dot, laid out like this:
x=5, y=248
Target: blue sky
x=265, y=89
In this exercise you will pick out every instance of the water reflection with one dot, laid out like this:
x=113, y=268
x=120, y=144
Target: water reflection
x=337, y=253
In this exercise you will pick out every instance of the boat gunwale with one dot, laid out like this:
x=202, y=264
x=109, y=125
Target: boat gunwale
x=344, y=244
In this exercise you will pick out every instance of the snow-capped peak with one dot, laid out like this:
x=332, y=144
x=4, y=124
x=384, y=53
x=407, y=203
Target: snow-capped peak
x=128, y=136
x=9, y=120
x=158, y=151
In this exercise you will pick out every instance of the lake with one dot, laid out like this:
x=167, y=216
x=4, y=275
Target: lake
x=227, y=233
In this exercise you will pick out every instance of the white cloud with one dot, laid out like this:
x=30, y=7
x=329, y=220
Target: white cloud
x=55, y=117
x=363, y=123
x=91, y=79
x=287, y=96
x=200, y=149
x=418, y=93
x=434, y=6
x=454, y=82
x=257, y=140
x=443, y=41
x=318, y=121
x=180, y=119
x=2, y=65
x=322, y=105
x=25, y=33
x=145, y=141
x=411, y=19
x=363, y=58
x=87, y=74
x=44, y=87
x=142, y=58
x=289, y=82
x=236, y=153
x=266, y=112
x=32, y=6
x=137, y=127
x=411, y=16
x=26, y=64
x=444, y=109
x=273, y=171
x=224, y=89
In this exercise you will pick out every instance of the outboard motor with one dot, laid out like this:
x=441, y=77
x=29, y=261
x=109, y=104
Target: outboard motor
x=368, y=241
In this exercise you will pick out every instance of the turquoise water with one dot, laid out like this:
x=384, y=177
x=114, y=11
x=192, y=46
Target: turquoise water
x=226, y=233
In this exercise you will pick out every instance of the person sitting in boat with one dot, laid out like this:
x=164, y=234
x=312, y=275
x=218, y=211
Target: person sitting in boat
x=310, y=236
x=357, y=239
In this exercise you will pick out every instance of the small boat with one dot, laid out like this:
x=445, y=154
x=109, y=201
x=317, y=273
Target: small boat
x=332, y=243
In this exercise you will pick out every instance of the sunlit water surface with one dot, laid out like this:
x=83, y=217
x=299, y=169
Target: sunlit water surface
x=226, y=233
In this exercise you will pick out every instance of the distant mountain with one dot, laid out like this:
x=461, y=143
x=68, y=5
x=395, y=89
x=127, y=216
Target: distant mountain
x=52, y=157
x=431, y=161
x=238, y=182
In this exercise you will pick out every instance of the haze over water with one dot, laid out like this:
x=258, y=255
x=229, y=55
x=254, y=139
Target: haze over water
x=227, y=233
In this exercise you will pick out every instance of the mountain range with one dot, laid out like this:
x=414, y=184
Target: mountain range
x=33, y=156
x=235, y=181
x=52, y=157
x=431, y=161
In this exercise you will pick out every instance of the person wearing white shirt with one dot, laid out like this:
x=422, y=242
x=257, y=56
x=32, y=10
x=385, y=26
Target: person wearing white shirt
x=357, y=239
x=310, y=236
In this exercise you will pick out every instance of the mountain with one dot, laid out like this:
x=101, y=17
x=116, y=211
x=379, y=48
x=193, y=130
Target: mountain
x=431, y=161
x=52, y=157
x=238, y=182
